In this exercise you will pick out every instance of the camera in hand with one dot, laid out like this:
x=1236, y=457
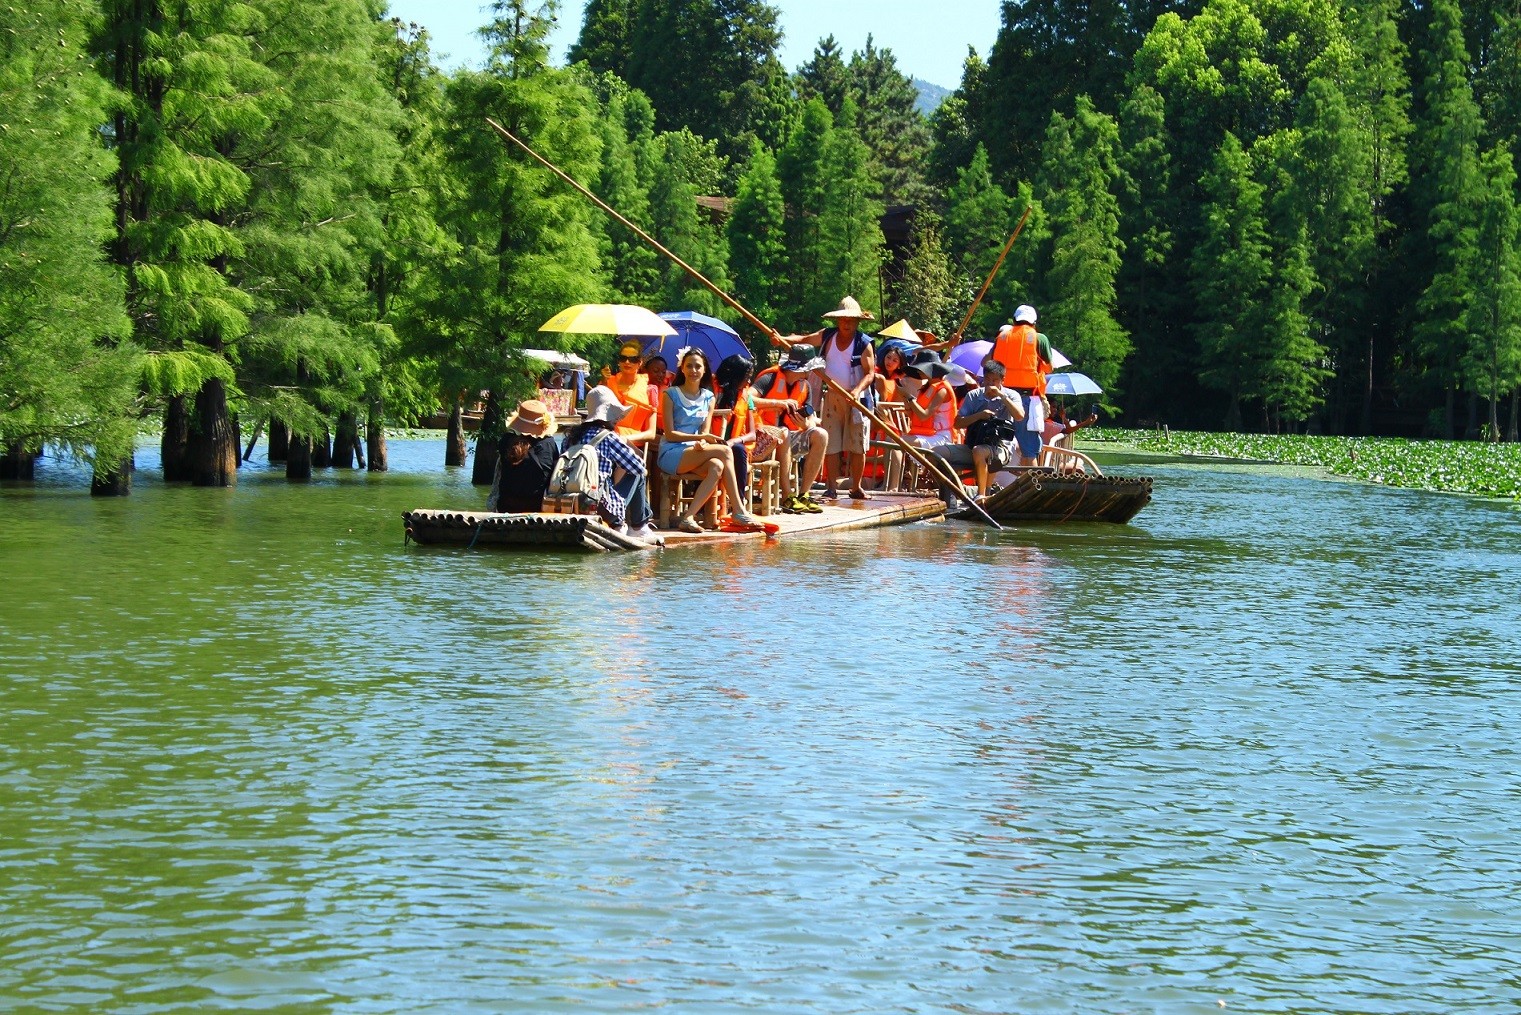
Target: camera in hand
x=991, y=431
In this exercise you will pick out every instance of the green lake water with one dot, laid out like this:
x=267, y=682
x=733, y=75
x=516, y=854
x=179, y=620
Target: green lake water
x=1258, y=747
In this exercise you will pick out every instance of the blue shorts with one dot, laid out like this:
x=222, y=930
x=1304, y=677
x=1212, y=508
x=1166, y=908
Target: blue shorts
x=1028, y=441
x=669, y=458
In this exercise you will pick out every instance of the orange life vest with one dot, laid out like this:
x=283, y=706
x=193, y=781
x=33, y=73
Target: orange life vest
x=771, y=384
x=636, y=394
x=1018, y=349
x=944, y=415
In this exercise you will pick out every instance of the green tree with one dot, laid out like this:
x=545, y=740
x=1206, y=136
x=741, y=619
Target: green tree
x=978, y=219
x=804, y=175
x=633, y=267
x=193, y=97
x=954, y=125
x=403, y=388
x=757, y=244
x=315, y=220
x=1491, y=364
x=67, y=380
x=825, y=76
x=927, y=292
x=690, y=163
x=1378, y=92
x=1331, y=191
x=1448, y=187
x=850, y=221
x=1081, y=171
x=894, y=131
x=526, y=248
x=703, y=63
x=1232, y=275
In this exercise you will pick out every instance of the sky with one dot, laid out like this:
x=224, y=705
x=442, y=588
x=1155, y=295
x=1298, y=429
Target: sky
x=930, y=40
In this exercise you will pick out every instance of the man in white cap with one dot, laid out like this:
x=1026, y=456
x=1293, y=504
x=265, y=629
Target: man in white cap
x=1026, y=358
x=851, y=363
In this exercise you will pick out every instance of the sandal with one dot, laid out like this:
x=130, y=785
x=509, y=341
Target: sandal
x=859, y=494
x=686, y=523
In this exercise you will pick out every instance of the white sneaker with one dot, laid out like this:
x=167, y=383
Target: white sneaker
x=644, y=532
x=621, y=528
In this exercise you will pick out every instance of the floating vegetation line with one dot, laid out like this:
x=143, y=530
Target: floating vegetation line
x=1489, y=470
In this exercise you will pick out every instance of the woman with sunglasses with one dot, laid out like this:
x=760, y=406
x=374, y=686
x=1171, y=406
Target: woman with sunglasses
x=633, y=390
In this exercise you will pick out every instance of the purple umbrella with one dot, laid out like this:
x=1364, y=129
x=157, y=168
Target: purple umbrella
x=969, y=356
x=715, y=338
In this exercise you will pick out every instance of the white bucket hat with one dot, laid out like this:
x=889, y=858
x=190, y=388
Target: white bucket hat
x=602, y=403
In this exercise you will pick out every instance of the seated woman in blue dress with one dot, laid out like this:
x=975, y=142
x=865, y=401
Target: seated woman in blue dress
x=689, y=447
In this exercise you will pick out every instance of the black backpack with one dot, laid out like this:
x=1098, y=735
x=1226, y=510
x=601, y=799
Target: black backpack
x=991, y=431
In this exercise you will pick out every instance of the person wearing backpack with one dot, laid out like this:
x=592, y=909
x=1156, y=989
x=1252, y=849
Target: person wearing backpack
x=598, y=465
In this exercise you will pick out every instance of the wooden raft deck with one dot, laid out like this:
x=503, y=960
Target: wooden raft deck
x=544, y=531
x=1045, y=495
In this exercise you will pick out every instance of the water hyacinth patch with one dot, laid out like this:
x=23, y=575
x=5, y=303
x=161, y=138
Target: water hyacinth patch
x=1490, y=470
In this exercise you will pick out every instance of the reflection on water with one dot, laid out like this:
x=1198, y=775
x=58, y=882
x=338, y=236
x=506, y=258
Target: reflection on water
x=1256, y=748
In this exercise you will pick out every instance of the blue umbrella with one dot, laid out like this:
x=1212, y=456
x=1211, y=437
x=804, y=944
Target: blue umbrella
x=1072, y=384
x=715, y=338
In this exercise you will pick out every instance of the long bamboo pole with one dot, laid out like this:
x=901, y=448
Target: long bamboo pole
x=956, y=338
x=909, y=449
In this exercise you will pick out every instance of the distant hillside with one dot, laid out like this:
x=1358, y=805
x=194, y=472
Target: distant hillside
x=930, y=96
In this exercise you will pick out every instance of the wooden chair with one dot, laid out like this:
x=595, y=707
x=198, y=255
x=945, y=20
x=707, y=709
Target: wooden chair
x=676, y=492
x=766, y=487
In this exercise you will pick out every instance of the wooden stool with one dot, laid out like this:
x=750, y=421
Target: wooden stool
x=766, y=487
x=676, y=497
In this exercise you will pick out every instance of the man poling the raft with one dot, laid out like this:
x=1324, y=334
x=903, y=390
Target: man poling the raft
x=952, y=484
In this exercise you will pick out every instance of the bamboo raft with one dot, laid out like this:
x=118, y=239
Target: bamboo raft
x=586, y=533
x=1046, y=495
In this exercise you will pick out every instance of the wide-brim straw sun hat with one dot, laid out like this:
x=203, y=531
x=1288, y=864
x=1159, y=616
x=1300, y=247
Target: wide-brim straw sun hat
x=533, y=419
x=850, y=308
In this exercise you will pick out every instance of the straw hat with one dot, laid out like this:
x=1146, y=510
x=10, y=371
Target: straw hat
x=850, y=308
x=602, y=403
x=533, y=419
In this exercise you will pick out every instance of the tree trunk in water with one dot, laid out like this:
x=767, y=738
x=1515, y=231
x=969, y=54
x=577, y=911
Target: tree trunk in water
x=116, y=483
x=279, y=441
x=454, y=443
x=1367, y=421
x=375, y=438
x=485, y=442
x=344, y=441
x=1471, y=431
x=253, y=441
x=298, y=458
x=237, y=440
x=18, y=463
x=1233, y=414
x=322, y=450
x=1515, y=415
x=1450, y=414
x=212, y=453
x=174, y=445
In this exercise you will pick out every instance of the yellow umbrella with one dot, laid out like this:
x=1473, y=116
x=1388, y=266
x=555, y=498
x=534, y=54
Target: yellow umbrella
x=607, y=319
x=900, y=329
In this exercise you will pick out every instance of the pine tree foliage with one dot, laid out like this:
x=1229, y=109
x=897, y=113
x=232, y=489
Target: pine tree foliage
x=690, y=164
x=1081, y=170
x=928, y=293
x=978, y=219
x=894, y=131
x=1491, y=363
x=955, y=123
x=825, y=76
x=524, y=244
x=850, y=220
x=66, y=375
x=804, y=176
x=757, y=238
x=1451, y=185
